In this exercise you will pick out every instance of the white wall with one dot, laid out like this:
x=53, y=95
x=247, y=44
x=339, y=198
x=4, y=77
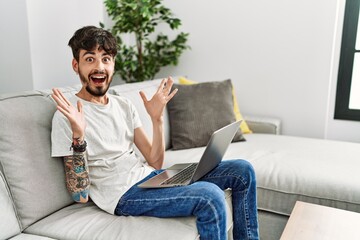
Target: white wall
x=34, y=35
x=15, y=64
x=281, y=55
x=51, y=25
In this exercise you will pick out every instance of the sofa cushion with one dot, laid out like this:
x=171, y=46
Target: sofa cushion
x=36, y=181
x=96, y=224
x=243, y=126
x=131, y=92
x=8, y=222
x=67, y=91
x=289, y=168
x=197, y=110
x=294, y=168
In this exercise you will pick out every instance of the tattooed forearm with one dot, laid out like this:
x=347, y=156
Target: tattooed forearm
x=77, y=176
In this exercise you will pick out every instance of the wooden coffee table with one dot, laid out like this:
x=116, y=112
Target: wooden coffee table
x=314, y=222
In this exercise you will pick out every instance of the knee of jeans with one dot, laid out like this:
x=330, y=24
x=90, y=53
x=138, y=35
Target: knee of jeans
x=250, y=170
x=247, y=169
x=213, y=195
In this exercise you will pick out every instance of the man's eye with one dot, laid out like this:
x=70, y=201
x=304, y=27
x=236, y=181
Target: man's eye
x=106, y=59
x=89, y=59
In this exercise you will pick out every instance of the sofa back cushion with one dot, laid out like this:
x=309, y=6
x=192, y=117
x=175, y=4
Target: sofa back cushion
x=198, y=110
x=131, y=92
x=36, y=181
x=8, y=222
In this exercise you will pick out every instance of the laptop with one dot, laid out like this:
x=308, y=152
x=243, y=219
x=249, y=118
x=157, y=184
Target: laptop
x=186, y=173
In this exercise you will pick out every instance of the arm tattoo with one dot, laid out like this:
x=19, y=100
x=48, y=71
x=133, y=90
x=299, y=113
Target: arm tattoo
x=77, y=175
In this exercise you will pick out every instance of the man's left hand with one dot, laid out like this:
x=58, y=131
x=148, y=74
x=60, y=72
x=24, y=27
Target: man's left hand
x=155, y=106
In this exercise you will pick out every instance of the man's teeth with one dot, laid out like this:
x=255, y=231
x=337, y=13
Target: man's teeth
x=98, y=78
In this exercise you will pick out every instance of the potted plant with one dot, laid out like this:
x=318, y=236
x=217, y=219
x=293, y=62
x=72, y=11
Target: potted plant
x=139, y=18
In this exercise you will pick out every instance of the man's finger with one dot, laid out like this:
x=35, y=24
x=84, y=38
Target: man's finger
x=172, y=94
x=59, y=101
x=64, y=98
x=162, y=84
x=62, y=110
x=169, y=84
x=142, y=94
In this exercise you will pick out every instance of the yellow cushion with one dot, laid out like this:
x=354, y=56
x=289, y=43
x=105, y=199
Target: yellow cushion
x=244, y=127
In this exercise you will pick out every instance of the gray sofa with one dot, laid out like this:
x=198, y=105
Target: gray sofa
x=34, y=203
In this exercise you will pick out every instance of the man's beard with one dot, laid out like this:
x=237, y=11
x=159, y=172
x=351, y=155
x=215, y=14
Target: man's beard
x=97, y=91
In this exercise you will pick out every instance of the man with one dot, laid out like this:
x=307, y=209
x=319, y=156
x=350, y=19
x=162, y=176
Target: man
x=94, y=132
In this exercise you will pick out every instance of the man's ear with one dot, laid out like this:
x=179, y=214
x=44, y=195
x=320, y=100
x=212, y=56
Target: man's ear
x=75, y=65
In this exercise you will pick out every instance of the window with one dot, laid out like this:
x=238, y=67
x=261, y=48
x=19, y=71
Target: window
x=347, y=104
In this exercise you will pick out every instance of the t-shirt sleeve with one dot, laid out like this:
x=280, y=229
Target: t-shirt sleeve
x=61, y=136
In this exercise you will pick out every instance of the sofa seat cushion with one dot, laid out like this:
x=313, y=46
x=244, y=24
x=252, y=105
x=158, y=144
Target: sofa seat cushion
x=318, y=171
x=294, y=168
x=87, y=221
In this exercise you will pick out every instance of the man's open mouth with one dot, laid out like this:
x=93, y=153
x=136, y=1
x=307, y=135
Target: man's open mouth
x=98, y=78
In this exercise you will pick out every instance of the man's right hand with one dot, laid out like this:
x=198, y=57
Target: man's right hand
x=75, y=115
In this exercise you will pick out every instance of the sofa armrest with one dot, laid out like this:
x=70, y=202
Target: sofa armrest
x=258, y=124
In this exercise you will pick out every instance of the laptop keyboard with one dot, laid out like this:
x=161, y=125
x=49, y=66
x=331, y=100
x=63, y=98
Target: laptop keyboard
x=181, y=177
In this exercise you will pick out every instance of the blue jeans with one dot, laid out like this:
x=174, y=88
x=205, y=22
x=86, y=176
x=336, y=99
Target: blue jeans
x=203, y=199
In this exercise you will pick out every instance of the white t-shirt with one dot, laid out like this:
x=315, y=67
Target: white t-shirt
x=113, y=164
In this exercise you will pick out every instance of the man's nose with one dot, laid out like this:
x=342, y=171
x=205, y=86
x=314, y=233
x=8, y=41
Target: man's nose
x=99, y=65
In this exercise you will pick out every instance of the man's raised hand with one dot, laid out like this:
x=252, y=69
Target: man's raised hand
x=75, y=115
x=155, y=106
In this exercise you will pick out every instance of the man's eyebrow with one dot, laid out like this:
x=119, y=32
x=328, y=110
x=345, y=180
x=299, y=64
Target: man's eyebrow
x=106, y=54
x=93, y=53
x=88, y=52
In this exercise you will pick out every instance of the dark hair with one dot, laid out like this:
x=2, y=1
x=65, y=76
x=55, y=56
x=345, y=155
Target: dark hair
x=89, y=37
